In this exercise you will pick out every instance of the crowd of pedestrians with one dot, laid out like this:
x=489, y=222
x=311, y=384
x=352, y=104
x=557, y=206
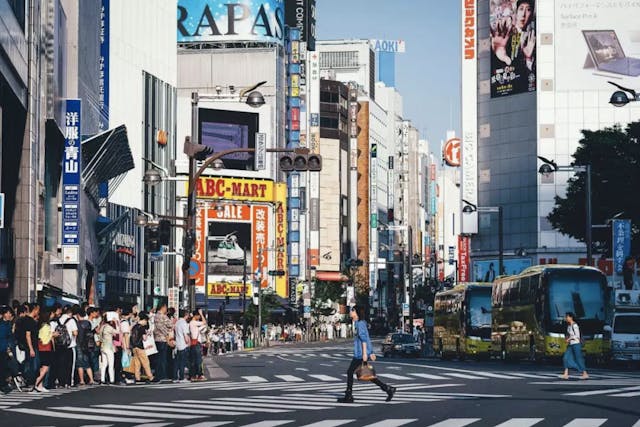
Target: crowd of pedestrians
x=42, y=348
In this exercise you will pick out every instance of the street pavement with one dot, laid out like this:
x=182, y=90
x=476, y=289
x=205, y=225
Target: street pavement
x=297, y=385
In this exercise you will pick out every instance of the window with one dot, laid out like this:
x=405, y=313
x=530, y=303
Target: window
x=347, y=59
x=19, y=10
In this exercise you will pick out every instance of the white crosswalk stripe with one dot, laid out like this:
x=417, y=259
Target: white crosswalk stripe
x=521, y=422
x=324, y=377
x=455, y=422
x=586, y=422
x=394, y=376
x=427, y=376
x=624, y=392
x=255, y=379
x=290, y=378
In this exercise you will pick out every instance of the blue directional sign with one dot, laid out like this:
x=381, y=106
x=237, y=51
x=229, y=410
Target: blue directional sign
x=71, y=172
x=621, y=230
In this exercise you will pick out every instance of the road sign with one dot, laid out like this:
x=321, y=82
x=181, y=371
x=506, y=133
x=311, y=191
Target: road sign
x=194, y=268
x=260, y=159
x=405, y=309
x=307, y=312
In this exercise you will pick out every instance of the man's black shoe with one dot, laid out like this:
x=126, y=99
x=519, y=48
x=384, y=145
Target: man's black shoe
x=348, y=398
x=391, y=391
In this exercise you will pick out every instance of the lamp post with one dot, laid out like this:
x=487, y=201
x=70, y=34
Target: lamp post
x=549, y=167
x=621, y=97
x=470, y=208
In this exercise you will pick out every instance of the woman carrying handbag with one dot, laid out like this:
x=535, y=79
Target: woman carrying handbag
x=362, y=352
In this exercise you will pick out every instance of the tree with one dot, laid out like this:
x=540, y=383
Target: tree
x=268, y=303
x=325, y=294
x=614, y=156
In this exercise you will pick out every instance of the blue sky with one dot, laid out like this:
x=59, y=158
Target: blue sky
x=428, y=74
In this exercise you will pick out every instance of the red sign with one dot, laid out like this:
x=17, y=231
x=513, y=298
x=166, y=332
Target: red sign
x=452, y=152
x=469, y=31
x=464, y=258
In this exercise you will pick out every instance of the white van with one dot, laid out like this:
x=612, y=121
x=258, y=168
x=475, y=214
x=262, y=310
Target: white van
x=625, y=328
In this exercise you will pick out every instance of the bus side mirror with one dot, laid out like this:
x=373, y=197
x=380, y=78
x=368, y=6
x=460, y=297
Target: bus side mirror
x=607, y=328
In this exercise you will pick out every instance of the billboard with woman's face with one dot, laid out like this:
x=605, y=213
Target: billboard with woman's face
x=513, y=47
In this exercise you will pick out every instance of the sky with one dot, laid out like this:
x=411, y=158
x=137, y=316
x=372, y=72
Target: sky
x=428, y=74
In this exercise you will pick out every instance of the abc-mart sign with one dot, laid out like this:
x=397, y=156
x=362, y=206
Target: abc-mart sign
x=230, y=21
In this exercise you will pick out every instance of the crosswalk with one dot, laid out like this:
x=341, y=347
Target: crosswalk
x=191, y=417
x=267, y=404
x=633, y=391
x=17, y=398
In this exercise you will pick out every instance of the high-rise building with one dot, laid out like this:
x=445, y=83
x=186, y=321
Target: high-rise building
x=532, y=97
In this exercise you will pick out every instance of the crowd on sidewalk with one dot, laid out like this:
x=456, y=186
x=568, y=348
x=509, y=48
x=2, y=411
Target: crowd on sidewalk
x=75, y=346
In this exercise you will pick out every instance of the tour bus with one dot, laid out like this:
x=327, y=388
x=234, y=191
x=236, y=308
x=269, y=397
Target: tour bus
x=462, y=321
x=528, y=311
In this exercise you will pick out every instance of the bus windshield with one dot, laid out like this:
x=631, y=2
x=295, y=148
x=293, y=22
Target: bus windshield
x=627, y=325
x=580, y=293
x=479, y=306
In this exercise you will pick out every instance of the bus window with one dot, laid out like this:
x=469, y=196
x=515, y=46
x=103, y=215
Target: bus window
x=580, y=294
x=479, y=311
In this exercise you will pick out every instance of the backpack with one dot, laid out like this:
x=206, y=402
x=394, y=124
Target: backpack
x=85, y=337
x=63, y=340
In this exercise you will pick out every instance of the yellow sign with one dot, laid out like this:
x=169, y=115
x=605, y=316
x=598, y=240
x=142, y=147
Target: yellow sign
x=231, y=289
x=282, y=287
x=254, y=190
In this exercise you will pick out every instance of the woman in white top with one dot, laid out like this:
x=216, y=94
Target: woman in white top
x=573, y=357
x=107, y=350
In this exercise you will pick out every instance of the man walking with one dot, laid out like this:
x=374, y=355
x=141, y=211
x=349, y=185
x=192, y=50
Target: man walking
x=362, y=351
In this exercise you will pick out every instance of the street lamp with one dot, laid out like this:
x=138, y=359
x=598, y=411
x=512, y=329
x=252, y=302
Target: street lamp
x=549, y=167
x=620, y=98
x=470, y=208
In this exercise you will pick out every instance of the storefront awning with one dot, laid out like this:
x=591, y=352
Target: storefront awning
x=331, y=276
x=105, y=156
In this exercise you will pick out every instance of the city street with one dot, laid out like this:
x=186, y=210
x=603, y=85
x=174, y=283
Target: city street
x=297, y=385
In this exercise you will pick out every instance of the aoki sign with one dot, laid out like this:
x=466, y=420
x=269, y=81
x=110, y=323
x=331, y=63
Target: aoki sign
x=230, y=21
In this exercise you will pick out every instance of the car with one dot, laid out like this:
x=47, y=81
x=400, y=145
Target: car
x=400, y=344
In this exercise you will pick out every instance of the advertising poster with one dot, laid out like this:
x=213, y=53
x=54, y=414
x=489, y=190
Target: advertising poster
x=231, y=232
x=225, y=130
x=512, y=28
x=282, y=287
x=596, y=42
x=224, y=21
x=464, y=258
x=487, y=270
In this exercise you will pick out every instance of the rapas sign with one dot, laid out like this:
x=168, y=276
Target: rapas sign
x=230, y=21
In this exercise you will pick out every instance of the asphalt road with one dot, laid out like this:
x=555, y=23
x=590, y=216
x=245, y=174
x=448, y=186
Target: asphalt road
x=297, y=385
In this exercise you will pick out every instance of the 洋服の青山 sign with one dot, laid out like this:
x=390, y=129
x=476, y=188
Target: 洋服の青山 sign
x=230, y=21
x=235, y=189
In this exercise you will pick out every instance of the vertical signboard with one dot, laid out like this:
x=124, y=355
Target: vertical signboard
x=103, y=72
x=621, y=229
x=469, y=114
x=512, y=29
x=464, y=259
x=313, y=106
x=71, y=185
x=281, y=237
x=301, y=14
x=294, y=140
x=260, y=158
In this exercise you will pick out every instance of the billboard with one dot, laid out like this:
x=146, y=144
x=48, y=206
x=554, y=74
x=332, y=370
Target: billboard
x=469, y=114
x=487, y=270
x=71, y=182
x=512, y=28
x=301, y=14
x=230, y=21
x=225, y=130
x=389, y=46
x=230, y=234
x=255, y=190
x=596, y=43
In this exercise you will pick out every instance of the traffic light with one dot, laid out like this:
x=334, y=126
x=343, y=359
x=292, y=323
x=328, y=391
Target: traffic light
x=197, y=151
x=152, y=238
x=300, y=161
x=164, y=232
